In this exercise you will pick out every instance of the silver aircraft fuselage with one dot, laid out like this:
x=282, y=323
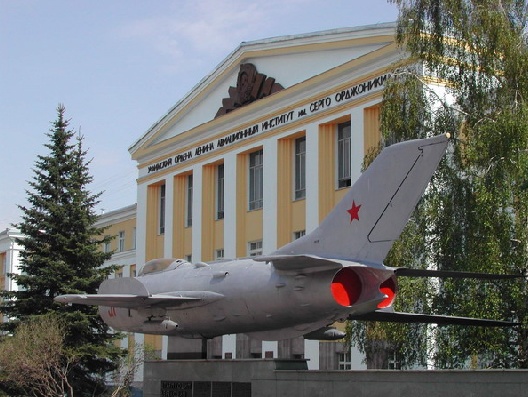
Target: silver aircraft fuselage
x=245, y=296
x=333, y=273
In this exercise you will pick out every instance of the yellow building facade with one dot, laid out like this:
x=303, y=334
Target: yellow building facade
x=261, y=149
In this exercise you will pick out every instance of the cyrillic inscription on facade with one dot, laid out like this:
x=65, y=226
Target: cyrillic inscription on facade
x=274, y=122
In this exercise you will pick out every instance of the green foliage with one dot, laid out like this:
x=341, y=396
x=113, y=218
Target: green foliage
x=467, y=75
x=35, y=361
x=62, y=255
x=128, y=366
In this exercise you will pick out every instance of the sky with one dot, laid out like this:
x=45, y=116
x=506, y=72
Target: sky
x=118, y=66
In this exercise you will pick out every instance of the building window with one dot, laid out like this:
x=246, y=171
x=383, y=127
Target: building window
x=393, y=362
x=343, y=155
x=107, y=245
x=134, y=234
x=300, y=168
x=220, y=191
x=133, y=271
x=161, y=219
x=121, y=241
x=255, y=248
x=219, y=254
x=188, y=218
x=345, y=361
x=188, y=258
x=256, y=183
x=298, y=234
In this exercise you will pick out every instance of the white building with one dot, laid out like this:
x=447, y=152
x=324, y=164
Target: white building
x=9, y=257
x=258, y=153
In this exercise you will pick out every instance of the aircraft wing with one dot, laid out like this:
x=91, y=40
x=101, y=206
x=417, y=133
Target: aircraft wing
x=398, y=317
x=125, y=300
x=407, y=272
x=131, y=293
x=295, y=262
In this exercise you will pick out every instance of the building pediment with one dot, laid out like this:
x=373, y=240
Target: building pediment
x=255, y=71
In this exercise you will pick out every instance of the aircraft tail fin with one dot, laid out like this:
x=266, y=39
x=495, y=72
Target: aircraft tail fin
x=364, y=225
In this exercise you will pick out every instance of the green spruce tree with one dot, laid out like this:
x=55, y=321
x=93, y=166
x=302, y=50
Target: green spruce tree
x=466, y=74
x=61, y=255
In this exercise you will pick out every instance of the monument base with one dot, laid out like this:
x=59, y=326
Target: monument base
x=193, y=378
x=274, y=378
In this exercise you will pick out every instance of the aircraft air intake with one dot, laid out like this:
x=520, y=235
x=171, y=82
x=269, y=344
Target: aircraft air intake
x=346, y=287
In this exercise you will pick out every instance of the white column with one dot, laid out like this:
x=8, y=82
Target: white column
x=270, y=346
x=11, y=266
x=312, y=177
x=141, y=225
x=197, y=213
x=164, y=346
x=357, y=142
x=269, y=214
x=311, y=352
x=229, y=345
x=169, y=215
x=269, y=210
x=139, y=339
x=230, y=203
x=357, y=154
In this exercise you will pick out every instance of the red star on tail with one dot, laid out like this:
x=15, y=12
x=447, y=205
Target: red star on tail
x=354, y=211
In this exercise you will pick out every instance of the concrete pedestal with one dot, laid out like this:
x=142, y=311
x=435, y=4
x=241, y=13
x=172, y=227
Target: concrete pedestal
x=274, y=378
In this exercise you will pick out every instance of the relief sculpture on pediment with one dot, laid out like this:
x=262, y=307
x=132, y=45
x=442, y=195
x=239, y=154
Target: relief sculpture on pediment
x=250, y=87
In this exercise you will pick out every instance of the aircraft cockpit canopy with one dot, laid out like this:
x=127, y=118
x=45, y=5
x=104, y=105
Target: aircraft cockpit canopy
x=161, y=265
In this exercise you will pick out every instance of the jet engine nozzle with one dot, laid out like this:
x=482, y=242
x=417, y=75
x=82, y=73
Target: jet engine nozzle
x=346, y=287
x=389, y=288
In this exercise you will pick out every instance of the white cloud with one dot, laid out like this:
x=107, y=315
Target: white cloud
x=202, y=32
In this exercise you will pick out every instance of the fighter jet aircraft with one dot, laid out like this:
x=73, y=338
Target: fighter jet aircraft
x=332, y=274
